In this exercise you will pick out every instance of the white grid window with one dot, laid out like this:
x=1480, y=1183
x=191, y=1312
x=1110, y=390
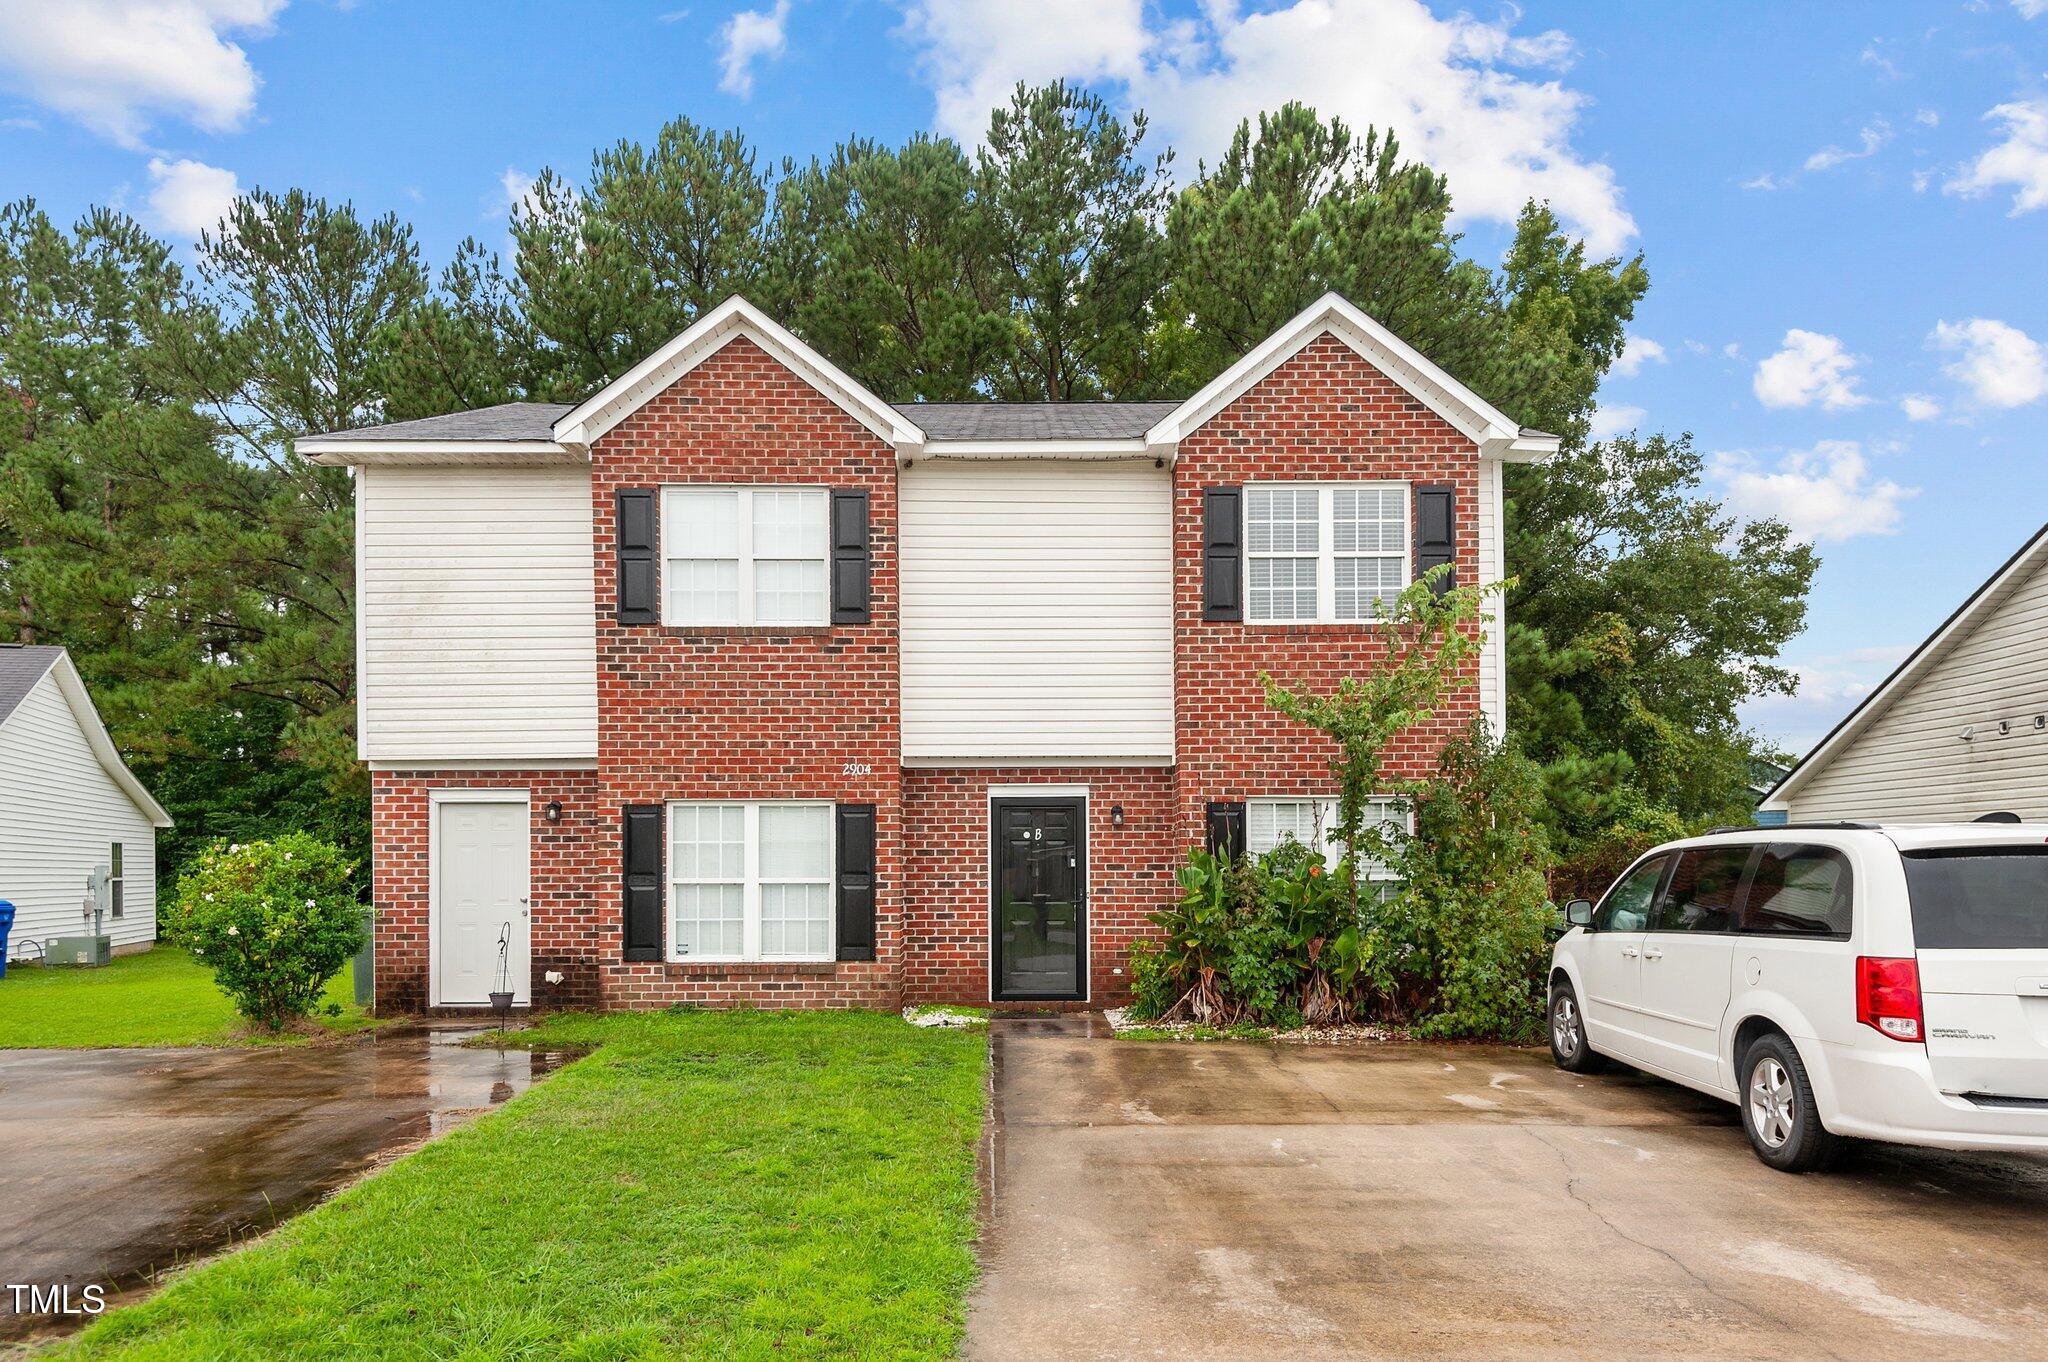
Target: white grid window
x=745, y=555
x=1330, y=554
x=1311, y=822
x=750, y=881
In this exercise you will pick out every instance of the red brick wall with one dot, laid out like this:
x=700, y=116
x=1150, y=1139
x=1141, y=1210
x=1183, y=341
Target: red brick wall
x=765, y=713
x=1324, y=415
x=575, y=919
x=947, y=836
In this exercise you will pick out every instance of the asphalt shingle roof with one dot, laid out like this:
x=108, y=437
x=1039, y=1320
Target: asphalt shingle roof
x=21, y=666
x=506, y=421
x=1035, y=420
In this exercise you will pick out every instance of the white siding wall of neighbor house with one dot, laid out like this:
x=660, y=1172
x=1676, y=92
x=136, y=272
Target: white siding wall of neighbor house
x=64, y=812
x=1910, y=761
x=478, y=640
x=1037, y=611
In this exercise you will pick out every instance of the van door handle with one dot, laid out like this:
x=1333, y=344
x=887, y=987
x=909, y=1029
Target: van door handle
x=1628, y=952
x=1652, y=953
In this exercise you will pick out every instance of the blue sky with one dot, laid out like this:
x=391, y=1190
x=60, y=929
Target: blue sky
x=1844, y=208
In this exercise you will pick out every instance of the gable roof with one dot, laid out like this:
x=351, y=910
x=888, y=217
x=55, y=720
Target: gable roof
x=22, y=666
x=701, y=339
x=1332, y=314
x=541, y=432
x=1996, y=590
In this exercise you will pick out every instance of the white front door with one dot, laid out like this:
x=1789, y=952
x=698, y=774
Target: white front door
x=480, y=897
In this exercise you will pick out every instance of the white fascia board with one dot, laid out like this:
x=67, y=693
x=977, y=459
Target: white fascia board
x=1522, y=449
x=1039, y=449
x=72, y=687
x=436, y=453
x=705, y=337
x=1470, y=414
x=1995, y=591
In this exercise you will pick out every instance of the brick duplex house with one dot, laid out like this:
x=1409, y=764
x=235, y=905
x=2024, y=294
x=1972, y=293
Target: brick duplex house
x=736, y=684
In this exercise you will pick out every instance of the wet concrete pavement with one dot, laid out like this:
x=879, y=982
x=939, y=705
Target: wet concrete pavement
x=1240, y=1200
x=115, y=1164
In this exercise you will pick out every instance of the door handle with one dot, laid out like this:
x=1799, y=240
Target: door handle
x=1651, y=953
x=1629, y=952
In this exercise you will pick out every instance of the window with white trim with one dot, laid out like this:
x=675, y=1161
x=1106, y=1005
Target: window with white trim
x=1325, y=553
x=745, y=555
x=750, y=881
x=1311, y=822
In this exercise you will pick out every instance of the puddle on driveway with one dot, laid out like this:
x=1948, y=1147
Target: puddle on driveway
x=122, y=1163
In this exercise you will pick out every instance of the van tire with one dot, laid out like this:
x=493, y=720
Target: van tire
x=1565, y=1020
x=1778, y=1111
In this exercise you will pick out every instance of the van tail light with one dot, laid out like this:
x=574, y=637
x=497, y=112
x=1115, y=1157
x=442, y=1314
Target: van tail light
x=1888, y=996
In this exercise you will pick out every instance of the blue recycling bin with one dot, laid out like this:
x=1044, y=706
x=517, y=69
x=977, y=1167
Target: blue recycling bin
x=6, y=926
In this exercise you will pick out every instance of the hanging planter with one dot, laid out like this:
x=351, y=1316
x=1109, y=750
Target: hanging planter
x=501, y=996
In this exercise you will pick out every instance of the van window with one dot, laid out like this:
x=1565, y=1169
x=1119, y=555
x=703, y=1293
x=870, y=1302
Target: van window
x=1979, y=898
x=1701, y=895
x=1799, y=891
x=1627, y=905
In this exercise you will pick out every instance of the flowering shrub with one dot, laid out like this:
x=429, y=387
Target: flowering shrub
x=273, y=920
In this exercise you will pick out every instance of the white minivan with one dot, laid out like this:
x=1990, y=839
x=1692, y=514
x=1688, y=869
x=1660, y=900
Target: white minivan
x=1841, y=979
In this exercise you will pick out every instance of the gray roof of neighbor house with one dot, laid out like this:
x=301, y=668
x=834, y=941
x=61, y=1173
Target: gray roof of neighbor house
x=21, y=666
x=940, y=420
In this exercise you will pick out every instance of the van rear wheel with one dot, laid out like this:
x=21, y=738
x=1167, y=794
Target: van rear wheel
x=1778, y=1111
x=1568, y=1032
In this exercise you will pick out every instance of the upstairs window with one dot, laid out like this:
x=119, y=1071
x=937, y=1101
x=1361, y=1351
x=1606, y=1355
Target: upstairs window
x=1325, y=553
x=745, y=555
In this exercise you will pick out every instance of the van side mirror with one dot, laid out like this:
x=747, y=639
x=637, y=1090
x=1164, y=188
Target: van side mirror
x=1579, y=912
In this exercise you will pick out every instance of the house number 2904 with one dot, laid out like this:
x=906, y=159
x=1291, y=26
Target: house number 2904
x=857, y=768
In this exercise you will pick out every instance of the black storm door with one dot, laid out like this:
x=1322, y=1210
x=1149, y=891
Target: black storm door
x=1040, y=917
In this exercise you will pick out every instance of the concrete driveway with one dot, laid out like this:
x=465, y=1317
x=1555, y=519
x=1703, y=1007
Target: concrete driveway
x=1239, y=1200
x=116, y=1164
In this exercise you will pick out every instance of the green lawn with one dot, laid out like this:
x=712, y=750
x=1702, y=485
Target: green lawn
x=161, y=997
x=719, y=1185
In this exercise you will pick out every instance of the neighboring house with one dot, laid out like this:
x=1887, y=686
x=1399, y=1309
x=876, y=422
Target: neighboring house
x=738, y=684
x=1959, y=730
x=71, y=805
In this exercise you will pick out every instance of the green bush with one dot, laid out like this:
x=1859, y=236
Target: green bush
x=1472, y=928
x=273, y=920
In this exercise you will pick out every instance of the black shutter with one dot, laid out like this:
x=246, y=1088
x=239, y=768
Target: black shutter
x=849, y=557
x=640, y=832
x=639, y=601
x=856, y=885
x=1436, y=533
x=1226, y=829
x=1222, y=571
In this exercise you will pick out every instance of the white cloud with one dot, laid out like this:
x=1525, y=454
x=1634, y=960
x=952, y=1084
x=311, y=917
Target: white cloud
x=749, y=36
x=1635, y=353
x=1823, y=493
x=117, y=65
x=1765, y=180
x=1829, y=686
x=1456, y=90
x=1931, y=118
x=513, y=187
x=1919, y=407
x=1609, y=422
x=2021, y=160
x=1808, y=368
x=1873, y=55
x=1875, y=134
x=2001, y=365
x=189, y=197
x=2031, y=9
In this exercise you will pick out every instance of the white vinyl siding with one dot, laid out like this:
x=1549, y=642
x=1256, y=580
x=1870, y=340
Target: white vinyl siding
x=744, y=555
x=750, y=881
x=1335, y=553
x=478, y=639
x=1037, y=611
x=1271, y=821
x=1910, y=761
x=1493, y=661
x=64, y=815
